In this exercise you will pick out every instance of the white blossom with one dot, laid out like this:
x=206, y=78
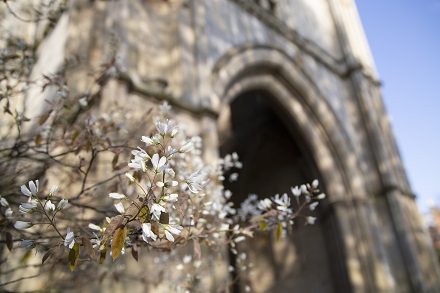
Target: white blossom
x=310, y=220
x=33, y=189
x=147, y=232
x=69, y=241
x=62, y=204
x=120, y=208
x=28, y=244
x=21, y=225
x=28, y=207
x=296, y=191
x=172, y=229
x=186, y=147
x=194, y=181
x=83, y=102
x=156, y=210
x=265, y=204
x=313, y=205
x=49, y=207
x=53, y=190
x=158, y=165
x=116, y=195
x=3, y=202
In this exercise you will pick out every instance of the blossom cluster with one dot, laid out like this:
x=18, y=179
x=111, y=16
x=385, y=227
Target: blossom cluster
x=171, y=197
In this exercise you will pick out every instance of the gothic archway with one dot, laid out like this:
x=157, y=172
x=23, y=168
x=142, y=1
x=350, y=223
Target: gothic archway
x=275, y=158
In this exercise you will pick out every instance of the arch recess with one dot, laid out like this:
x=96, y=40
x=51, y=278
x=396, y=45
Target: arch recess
x=306, y=109
x=271, y=70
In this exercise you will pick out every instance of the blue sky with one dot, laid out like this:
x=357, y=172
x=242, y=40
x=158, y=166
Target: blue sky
x=404, y=37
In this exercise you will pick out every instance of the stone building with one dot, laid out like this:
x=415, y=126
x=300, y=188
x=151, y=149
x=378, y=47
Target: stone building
x=290, y=85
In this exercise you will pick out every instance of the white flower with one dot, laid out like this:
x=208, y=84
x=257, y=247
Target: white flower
x=158, y=165
x=174, y=131
x=53, y=190
x=186, y=147
x=233, y=177
x=62, y=204
x=95, y=227
x=315, y=183
x=165, y=107
x=28, y=207
x=156, y=209
x=283, y=201
x=28, y=244
x=120, y=208
x=8, y=213
x=33, y=189
x=320, y=196
x=4, y=202
x=83, y=101
x=313, y=205
x=147, y=140
x=296, y=191
x=20, y=225
x=172, y=229
x=70, y=239
x=147, y=232
x=304, y=189
x=163, y=128
x=170, y=197
x=116, y=195
x=167, y=184
x=265, y=204
x=194, y=181
x=239, y=239
x=49, y=207
x=130, y=177
x=310, y=220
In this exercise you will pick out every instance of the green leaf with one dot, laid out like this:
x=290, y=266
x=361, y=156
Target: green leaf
x=73, y=256
x=102, y=255
x=118, y=241
x=26, y=256
x=279, y=231
x=263, y=226
x=144, y=215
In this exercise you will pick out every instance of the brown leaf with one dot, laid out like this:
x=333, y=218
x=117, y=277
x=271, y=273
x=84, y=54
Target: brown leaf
x=73, y=256
x=118, y=241
x=115, y=222
x=134, y=252
x=197, y=249
x=115, y=160
x=38, y=140
x=164, y=218
x=48, y=253
x=89, y=248
x=9, y=241
x=119, y=166
x=44, y=117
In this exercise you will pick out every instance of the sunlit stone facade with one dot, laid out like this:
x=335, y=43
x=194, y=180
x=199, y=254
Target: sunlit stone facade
x=291, y=86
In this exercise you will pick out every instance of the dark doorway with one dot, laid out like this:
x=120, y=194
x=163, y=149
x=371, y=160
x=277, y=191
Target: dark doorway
x=274, y=159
